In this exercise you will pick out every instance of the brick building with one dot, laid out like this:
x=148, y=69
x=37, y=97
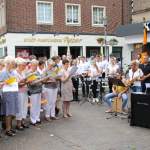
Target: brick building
x=140, y=9
x=51, y=27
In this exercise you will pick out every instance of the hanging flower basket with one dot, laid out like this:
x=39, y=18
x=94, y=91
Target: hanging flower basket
x=100, y=40
x=113, y=42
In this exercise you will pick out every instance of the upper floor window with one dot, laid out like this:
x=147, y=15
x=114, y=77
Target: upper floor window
x=98, y=15
x=44, y=12
x=2, y=15
x=73, y=14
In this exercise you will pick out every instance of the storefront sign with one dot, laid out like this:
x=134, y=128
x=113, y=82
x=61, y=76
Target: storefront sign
x=2, y=40
x=66, y=40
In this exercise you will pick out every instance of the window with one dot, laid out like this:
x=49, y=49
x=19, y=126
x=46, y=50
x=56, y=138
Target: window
x=73, y=14
x=1, y=52
x=98, y=15
x=2, y=15
x=44, y=12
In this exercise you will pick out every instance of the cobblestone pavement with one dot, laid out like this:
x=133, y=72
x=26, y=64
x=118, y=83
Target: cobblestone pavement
x=88, y=129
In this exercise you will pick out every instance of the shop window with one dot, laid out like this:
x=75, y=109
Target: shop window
x=44, y=12
x=1, y=52
x=73, y=14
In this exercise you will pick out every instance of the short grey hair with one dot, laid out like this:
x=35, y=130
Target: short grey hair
x=50, y=62
x=20, y=61
x=9, y=60
x=34, y=61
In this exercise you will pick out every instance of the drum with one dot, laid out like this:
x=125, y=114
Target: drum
x=117, y=105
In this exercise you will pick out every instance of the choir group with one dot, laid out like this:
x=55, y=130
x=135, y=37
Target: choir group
x=26, y=86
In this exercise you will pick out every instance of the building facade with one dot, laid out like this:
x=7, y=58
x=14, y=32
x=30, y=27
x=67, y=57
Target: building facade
x=140, y=9
x=54, y=27
x=133, y=33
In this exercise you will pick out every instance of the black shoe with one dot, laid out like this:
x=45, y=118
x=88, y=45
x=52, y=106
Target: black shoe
x=54, y=118
x=13, y=131
x=19, y=128
x=25, y=126
x=57, y=110
x=33, y=124
x=38, y=122
x=10, y=133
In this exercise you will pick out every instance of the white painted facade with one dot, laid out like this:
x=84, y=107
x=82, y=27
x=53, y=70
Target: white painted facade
x=18, y=39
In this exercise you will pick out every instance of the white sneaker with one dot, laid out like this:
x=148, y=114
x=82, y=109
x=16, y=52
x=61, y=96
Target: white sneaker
x=97, y=100
x=94, y=99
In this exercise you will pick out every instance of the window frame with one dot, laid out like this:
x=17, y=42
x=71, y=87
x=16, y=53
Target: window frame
x=52, y=13
x=104, y=15
x=79, y=15
x=3, y=14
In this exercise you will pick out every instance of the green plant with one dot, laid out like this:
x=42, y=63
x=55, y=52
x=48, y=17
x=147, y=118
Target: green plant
x=113, y=41
x=100, y=40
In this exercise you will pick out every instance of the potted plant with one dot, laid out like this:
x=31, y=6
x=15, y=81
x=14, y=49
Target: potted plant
x=100, y=40
x=113, y=41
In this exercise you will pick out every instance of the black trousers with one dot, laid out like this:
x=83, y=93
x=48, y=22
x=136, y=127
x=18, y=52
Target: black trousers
x=110, y=84
x=85, y=86
x=94, y=89
x=75, y=82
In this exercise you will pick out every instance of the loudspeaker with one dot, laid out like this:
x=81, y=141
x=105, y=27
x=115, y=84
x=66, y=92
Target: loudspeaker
x=140, y=110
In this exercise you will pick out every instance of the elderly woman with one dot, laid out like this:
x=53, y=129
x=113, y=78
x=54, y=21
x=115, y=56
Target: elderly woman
x=35, y=90
x=9, y=93
x=67, y=88
x=22, y=95
x=50, y=89
x=1, y=84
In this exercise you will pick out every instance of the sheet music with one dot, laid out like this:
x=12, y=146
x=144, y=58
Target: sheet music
x=147, y=85
x=73, y=70
x=10, y=88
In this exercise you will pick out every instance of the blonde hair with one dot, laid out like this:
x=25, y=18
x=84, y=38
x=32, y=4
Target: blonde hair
x=134, y=62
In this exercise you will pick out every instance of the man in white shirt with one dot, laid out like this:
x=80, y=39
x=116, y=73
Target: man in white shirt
x=135, y=76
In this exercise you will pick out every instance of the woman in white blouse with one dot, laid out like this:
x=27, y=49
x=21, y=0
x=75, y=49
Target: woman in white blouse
x=94, y=72
x=111, y=71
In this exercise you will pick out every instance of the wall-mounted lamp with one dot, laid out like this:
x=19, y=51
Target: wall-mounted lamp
x=34, y=33
x=76, y=34
x=56, y=34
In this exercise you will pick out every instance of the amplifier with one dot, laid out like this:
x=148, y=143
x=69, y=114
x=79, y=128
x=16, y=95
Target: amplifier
x=140, y=110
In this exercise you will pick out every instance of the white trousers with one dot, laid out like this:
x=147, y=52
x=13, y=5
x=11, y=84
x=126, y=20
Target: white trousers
x=35, y=100
x=22, y=105
x=51, y=96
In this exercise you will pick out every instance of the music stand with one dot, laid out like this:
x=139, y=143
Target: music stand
x=87, y=91
x=116, y=82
